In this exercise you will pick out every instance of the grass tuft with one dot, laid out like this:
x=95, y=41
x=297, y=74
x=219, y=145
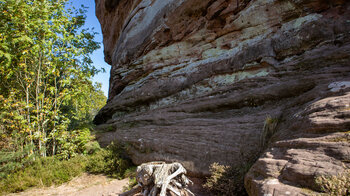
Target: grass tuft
x=269, y=129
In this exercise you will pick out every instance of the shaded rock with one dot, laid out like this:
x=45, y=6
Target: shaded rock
x=307, y=146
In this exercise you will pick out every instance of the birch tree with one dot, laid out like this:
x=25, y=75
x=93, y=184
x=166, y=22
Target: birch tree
x=45, y=69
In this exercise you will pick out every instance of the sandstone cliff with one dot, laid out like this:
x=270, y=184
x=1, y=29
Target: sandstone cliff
x=203, y=81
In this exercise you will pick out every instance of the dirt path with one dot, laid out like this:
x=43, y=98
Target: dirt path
x=96, y=185
x=85, y=185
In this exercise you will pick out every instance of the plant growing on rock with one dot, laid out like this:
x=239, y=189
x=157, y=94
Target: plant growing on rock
x=226, y=180
x=338, y=185
x=269, y=129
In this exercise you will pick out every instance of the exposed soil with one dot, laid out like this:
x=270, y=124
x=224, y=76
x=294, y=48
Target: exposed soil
x=85, y=185
x=96, y=185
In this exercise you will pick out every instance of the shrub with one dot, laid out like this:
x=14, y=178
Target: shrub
x=73, y=143
x=217, y=173
x=12, y=161
x=96, y=163
x=132, y=183
x=112, y=161
x=43, y=172
x=335, y=185
x=92, y=147
x=48, y=171
x=131, y=174
x=227, y=180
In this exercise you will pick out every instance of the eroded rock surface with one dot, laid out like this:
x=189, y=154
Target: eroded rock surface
x=195, y=80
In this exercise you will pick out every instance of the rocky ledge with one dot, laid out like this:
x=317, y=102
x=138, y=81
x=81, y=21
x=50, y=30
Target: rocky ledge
x=203, y=81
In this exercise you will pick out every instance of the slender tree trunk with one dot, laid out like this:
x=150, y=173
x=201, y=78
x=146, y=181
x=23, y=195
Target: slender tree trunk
x=28, y=116
x=27, y=103
x=37, y=94
x=55, y=114
x=43, y=116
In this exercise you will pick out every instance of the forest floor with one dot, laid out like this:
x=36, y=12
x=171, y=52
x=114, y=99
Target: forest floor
x=95, y=185
x=84, y=185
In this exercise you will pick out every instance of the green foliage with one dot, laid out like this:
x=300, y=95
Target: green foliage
x=43, y=172
x=217, y=173
x=92, y=147
x=13, y=126
x=97, y=162
x=132, y=183
x=11, y=162
x=73, y=143
x=82, y=109
x=111, y=161
x=47, y=99
x=335, y=185
x=46, y=94
x=48, y=171
x=269, y=129
x=226, y=180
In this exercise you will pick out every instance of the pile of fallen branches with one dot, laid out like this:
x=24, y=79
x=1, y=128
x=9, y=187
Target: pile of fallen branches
x=159, y=178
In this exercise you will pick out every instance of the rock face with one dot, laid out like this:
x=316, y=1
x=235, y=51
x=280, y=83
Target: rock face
x=203, y=81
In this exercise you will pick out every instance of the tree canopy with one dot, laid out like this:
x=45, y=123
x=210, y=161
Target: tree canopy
x=47, y=98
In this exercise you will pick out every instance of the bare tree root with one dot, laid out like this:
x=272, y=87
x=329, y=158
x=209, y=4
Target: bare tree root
x=159, y=178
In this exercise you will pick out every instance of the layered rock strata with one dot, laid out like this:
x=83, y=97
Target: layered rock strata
x=198, y=81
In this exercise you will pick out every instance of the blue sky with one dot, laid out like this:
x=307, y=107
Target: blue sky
x=97, y=57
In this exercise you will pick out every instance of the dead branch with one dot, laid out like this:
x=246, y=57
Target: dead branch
x=159, y=178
